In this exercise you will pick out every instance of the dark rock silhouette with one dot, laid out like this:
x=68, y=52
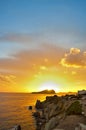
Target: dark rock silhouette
x=39, y=104
x=36, y=114
x=18, y=127
x=30, y=107
x=45, y=92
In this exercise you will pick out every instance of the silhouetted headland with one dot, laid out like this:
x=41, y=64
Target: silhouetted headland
x=45, y=92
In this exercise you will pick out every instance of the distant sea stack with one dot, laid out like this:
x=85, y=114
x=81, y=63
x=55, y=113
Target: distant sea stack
x=45, y=92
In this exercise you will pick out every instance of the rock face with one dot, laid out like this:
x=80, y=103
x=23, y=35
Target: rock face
x=36, y=114
x=71, y=121
x=39, y=105
x=17, y=127
x=80, y=127
x=30, y=107
x=63, y=112
x=82, y=92
x=51, y=123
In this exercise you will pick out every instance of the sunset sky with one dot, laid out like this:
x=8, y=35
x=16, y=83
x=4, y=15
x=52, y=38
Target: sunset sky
x=42, y=45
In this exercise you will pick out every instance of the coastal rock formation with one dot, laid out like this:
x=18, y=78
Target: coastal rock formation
x=45, y=92
x=30, y=107
x=51, y=123
x=17, y=127
x=62, y=113
x=36, y=114
x=80, y=126
x=82, y=92
x=39, y=105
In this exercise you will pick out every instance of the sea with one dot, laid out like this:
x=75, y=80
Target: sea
x=14, y=110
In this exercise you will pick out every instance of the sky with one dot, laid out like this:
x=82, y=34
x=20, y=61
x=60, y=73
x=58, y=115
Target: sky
x=42, y=45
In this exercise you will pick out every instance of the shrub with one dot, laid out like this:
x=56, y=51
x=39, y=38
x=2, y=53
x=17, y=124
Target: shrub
x=74, y=109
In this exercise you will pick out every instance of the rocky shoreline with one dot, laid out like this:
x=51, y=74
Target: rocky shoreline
x=61, y=113
x=66, y=112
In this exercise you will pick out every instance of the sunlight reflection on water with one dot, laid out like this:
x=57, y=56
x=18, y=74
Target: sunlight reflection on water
x=14, y=110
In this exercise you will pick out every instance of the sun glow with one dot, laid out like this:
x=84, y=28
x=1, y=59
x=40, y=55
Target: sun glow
x=43, y=81
x=49, y=86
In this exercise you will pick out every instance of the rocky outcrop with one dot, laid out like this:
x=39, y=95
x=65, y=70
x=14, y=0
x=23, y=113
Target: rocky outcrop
x=63, y=112
x=70, y=122
x=36, y=114
x=39, y=105
x=45, y=92
x=51, y=123
x=80, y=126
x=30, y=107
x=82, y=92
x=17, y=127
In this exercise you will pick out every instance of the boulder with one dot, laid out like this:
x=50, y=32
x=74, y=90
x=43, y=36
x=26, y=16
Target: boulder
x=36, y=114
x=51, y=99
x=82, y=92
x=80, y=126
x=58, y=129
x=39, y=105
x=30, y=107
x=51, y=124
x=17, y=127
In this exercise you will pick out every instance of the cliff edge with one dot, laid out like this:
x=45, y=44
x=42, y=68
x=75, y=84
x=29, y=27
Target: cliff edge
x=61, y=113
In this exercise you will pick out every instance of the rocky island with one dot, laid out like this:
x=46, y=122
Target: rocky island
x=61, y=113
x=45, y=92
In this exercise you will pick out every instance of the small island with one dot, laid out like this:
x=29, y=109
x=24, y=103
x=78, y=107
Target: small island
x=45, y=92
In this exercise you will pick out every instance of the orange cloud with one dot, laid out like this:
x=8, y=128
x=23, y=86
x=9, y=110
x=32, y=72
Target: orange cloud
x=28, y=65
x=47, y=55
x=7, y=82
x=74, y=51
x=25, y=64
x=7, y=78
x=75, y=58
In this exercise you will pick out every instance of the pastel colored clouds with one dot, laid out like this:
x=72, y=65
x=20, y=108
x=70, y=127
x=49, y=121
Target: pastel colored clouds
x=74, y=58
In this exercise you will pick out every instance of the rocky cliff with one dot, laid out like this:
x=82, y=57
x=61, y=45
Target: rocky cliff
x=61, y=113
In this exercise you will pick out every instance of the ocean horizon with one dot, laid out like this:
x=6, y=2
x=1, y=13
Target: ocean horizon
x=14, y=110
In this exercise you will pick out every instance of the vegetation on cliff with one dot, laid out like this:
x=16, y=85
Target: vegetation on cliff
x=74, y=109
x=64, y=112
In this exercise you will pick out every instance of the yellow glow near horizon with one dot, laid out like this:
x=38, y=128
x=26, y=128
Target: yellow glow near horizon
x=49, y=85
x=47, y=81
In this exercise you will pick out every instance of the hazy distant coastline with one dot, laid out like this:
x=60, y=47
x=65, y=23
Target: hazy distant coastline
x=53, y=92
x=45, y=92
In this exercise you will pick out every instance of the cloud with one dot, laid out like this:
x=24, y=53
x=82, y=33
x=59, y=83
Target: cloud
x=7, y=78
x=8, y=82
x=23, y=61
x=75, y=58
x=27, y=64
x=15, y=37
x=74, y=51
